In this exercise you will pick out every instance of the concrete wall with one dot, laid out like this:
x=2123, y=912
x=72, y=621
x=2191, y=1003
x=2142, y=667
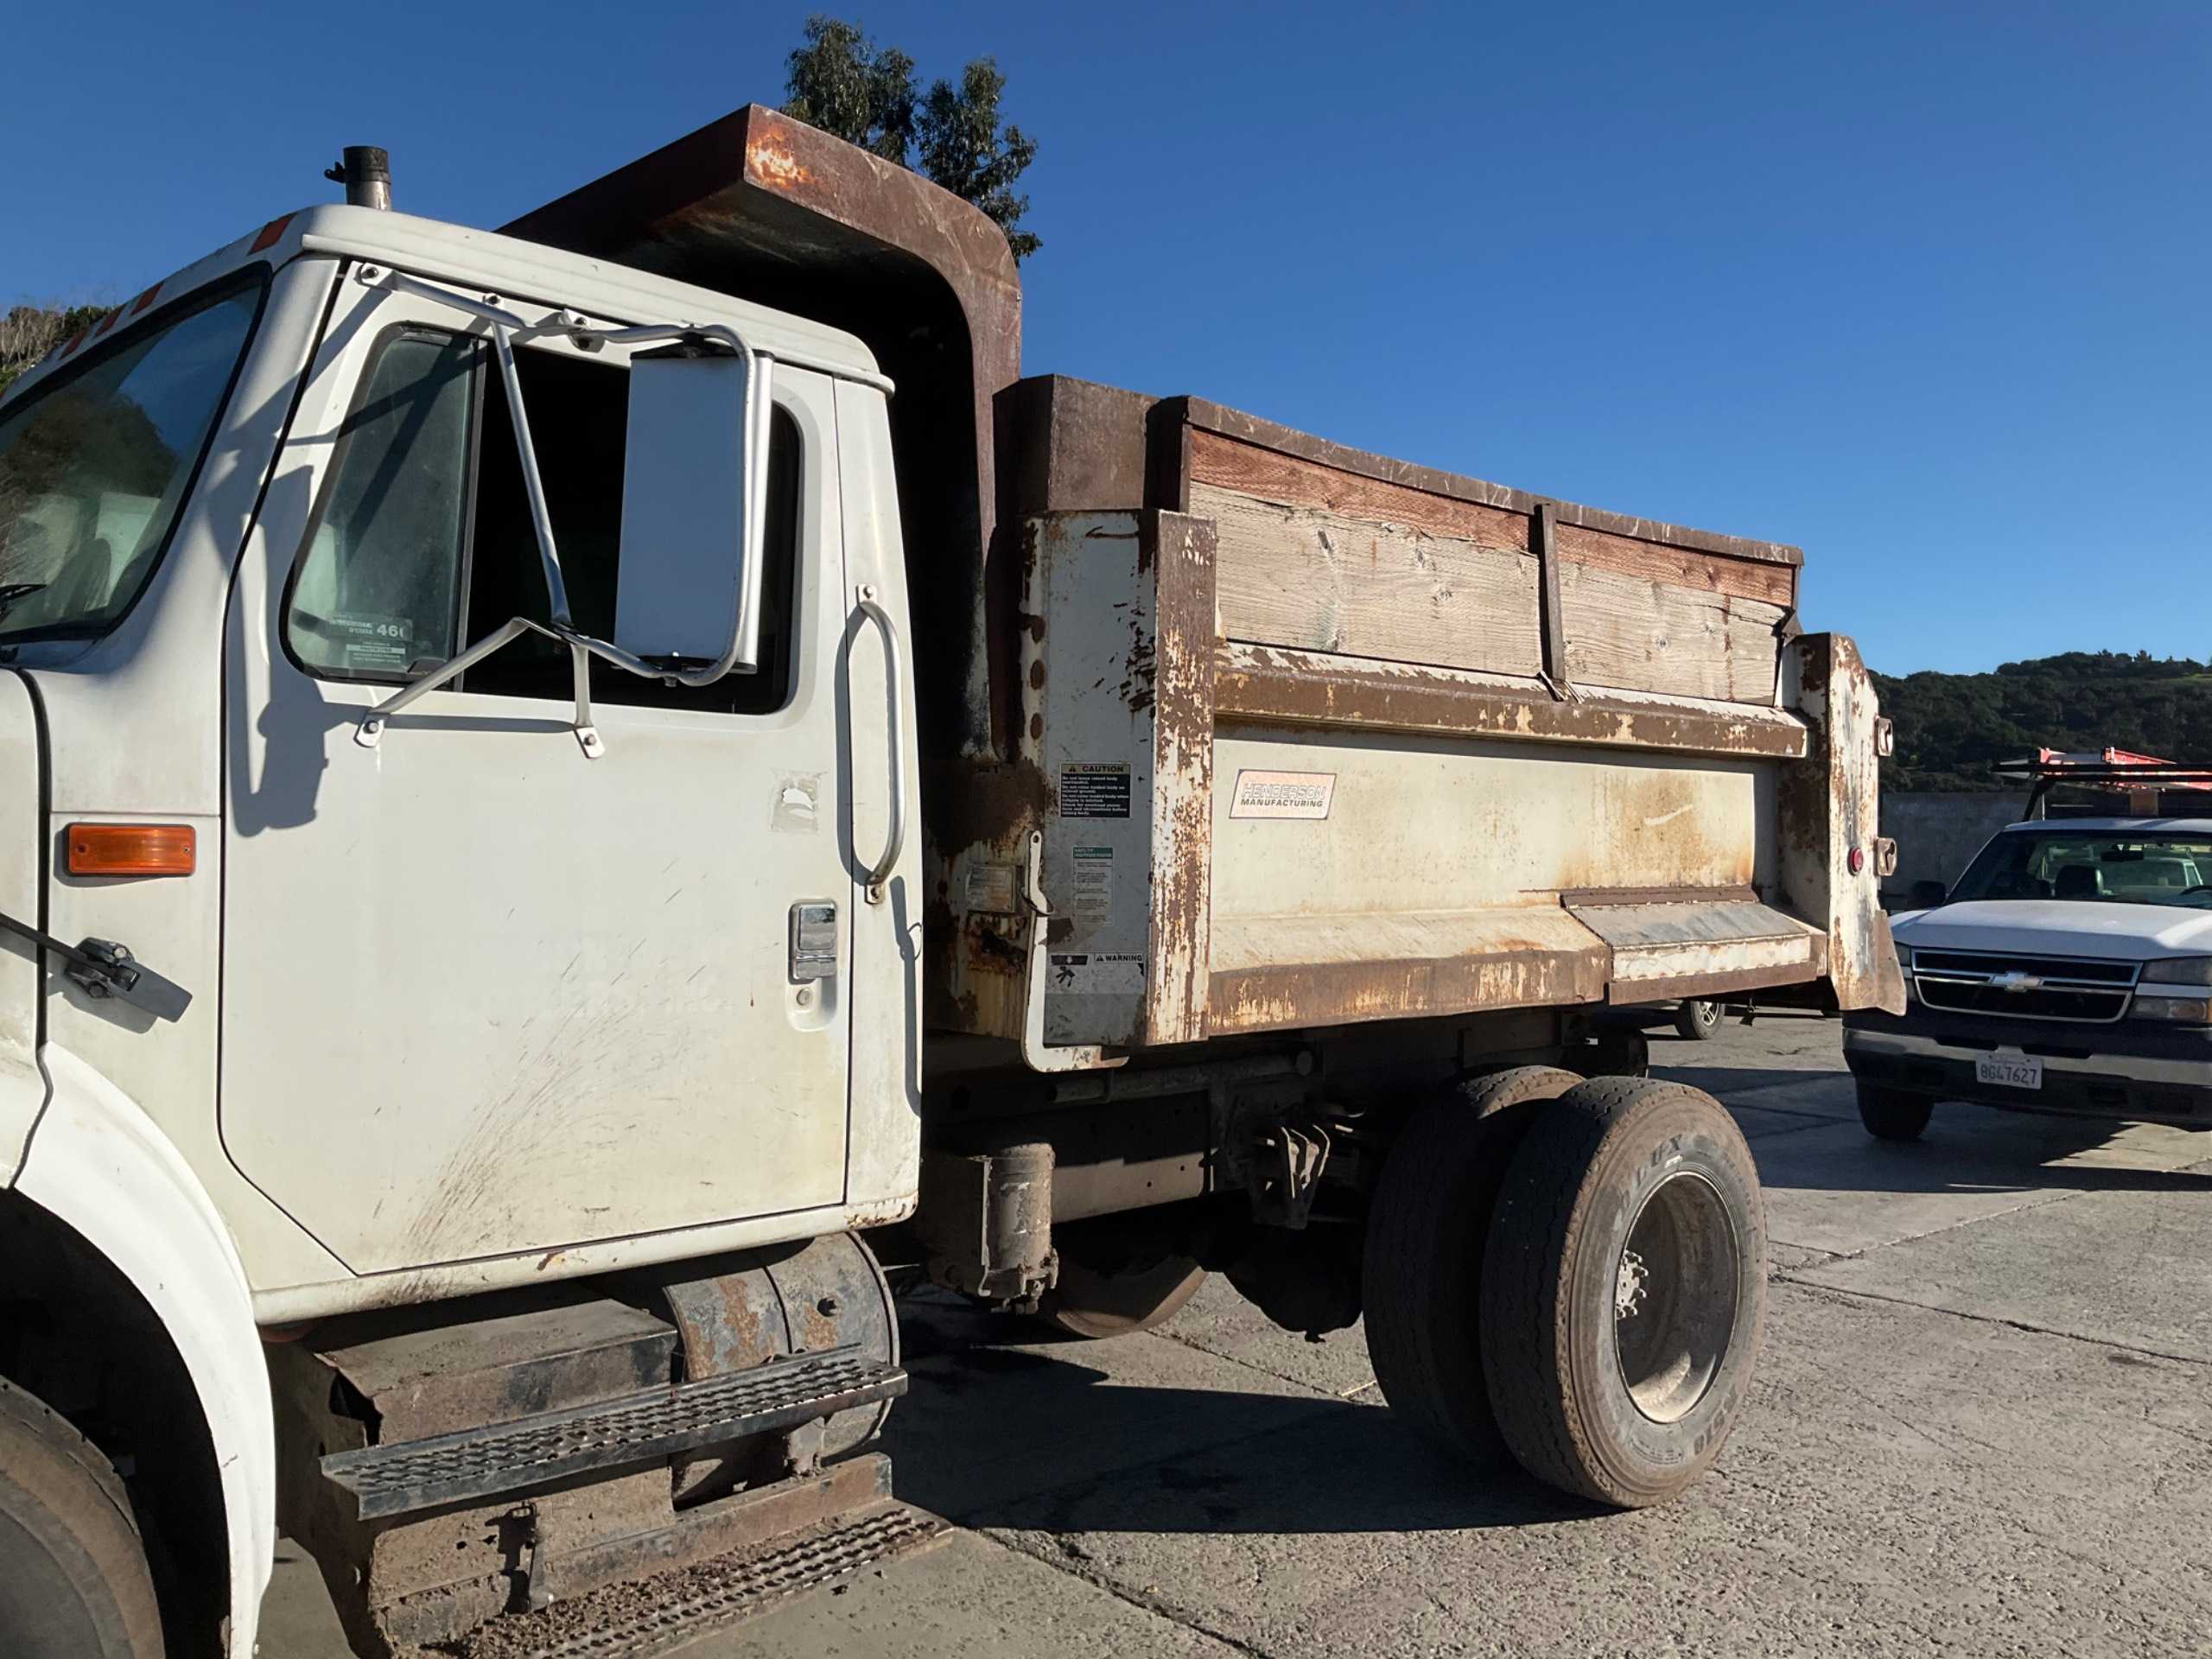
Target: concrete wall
x=1938, y=831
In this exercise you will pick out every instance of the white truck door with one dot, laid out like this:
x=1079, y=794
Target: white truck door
x=483, y=994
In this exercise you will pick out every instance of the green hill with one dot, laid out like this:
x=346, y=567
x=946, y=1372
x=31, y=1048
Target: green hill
x=1952, y=727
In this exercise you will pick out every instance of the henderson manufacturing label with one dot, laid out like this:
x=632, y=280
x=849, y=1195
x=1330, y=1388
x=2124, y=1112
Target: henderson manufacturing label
x=1095, y=789
x=1283, y=794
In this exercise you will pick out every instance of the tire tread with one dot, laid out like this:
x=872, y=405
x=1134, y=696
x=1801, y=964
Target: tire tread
x=1413, y=1282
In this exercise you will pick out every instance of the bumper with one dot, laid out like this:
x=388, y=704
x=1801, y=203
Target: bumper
x=2170, y=1081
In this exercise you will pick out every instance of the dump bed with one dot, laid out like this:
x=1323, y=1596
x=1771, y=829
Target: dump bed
x=1226, y=728
x=1308, y=736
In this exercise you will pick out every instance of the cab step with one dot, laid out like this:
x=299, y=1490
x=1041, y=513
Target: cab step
x=643, y=1617
x=633, y=1428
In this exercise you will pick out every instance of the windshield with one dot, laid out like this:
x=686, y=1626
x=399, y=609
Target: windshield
x=2113, y=866
x=94, y=467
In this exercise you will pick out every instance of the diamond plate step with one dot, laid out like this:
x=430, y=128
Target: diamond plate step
x=649, y=1616
x=636, y=1428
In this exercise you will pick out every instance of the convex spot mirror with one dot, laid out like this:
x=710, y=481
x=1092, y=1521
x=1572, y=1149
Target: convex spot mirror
x=694, y=481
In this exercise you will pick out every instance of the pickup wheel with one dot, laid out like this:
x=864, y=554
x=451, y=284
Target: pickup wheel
x=1624, y=1289
x=73, y=1579
x=1698, y=1019
x=1427, y=1230
x=1114, y=1292
x=1893, y=1115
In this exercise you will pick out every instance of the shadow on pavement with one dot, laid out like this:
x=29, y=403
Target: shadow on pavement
x=1766, y=1088
x=1157, y=1459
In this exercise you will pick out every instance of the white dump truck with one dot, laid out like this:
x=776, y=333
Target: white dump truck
x=575, y=801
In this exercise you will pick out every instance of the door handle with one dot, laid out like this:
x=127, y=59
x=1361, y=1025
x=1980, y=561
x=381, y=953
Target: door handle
x=895, y=668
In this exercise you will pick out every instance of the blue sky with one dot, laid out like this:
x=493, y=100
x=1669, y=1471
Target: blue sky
x=1922, y=287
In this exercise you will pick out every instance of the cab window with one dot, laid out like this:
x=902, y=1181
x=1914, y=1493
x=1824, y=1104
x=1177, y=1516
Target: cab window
x=423, y=544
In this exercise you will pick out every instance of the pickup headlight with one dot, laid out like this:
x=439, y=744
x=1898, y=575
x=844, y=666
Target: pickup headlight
x=2178, y=970
x=1905, y=967
x=2177, y=989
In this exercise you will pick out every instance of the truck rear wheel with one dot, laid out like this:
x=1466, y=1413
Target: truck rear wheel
x=1624, y=1289
x=1893, y=1115
x=1427, y=1231
x=73, y=1579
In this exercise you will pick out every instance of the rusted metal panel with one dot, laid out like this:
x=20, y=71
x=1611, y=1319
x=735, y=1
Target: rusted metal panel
x=1181, y=668
x=1117, y=681
x=1069, y=445
x=1672, y=924
x=1708, y=980
x=1574, y=898
x=1278, y=973
x=1828, y=813
x=975, y=924
x=764, y=207
x=1296, y=687
x=765, y=1305
x=1416, y=824
x=425, y=1378
x=1722, y=941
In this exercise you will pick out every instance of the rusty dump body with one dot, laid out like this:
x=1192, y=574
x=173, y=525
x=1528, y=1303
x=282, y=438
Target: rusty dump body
x=1229, y=729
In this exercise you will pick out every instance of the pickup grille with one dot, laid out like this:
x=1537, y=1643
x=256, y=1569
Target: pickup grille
x=2080, y=989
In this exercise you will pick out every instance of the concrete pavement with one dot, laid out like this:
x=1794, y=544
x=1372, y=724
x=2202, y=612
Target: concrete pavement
x=1983, y=1425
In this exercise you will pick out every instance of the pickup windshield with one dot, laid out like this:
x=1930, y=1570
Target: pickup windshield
x=2116, y=867
x=95, y=464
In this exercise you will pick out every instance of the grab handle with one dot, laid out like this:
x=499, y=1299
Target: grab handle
x=895, y=667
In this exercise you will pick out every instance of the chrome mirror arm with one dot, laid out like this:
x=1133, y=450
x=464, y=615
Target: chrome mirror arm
x=744, y=653
x=581, y=647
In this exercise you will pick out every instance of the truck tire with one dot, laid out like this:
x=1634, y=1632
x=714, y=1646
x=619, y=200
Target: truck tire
x=1624, y=1289
x=73, y=1579
x=1096, y=1302
x=1426, y=1228
x=1893, y=1115
x=1698, y=1019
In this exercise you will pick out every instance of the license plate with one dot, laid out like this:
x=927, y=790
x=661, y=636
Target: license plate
x=2008, y=1070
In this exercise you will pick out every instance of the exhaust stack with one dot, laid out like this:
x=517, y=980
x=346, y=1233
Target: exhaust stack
x=366, y=171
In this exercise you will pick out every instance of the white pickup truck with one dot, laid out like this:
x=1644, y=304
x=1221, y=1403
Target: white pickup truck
x=2070, y=970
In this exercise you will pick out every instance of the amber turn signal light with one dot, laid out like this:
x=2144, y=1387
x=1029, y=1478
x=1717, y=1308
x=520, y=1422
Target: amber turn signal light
x=130, y=848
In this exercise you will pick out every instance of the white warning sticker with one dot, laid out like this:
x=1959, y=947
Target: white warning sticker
x=1283, y=795
x=1093, y=893
x=1097, y=973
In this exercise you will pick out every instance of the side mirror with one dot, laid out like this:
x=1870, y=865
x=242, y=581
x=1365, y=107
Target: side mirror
x=694, y=494
x=1928, y=895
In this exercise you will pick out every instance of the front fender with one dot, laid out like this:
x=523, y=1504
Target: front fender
x=98, y=1162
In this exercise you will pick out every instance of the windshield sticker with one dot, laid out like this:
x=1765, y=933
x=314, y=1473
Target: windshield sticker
x=376, y=644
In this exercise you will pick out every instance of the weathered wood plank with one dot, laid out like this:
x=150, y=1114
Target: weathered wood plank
x=1769, y=584
x=1293, y=480
x=1641, y=635
x=1320, y=581
x=1269, y=435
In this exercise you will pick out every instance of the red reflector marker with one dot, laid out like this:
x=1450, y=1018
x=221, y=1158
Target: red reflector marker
x=271, y=233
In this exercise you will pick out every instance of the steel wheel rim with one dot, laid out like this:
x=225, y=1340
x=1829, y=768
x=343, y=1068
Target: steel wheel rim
x=1675, y=1297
